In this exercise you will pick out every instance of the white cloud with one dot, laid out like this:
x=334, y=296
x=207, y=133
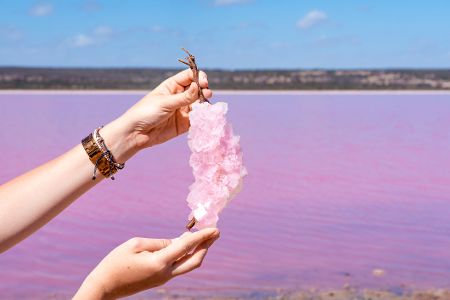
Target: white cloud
x=81, y=40
x=98, y=35
x=41, y=10
x=311, y=19
x=229, y=2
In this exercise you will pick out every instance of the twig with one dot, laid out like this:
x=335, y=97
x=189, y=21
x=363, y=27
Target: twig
x=191, y=223
x=193, y=66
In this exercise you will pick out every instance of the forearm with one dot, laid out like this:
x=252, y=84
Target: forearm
x=29, y=201
x=90, y=290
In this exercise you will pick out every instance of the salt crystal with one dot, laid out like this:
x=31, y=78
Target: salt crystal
x=216, y=162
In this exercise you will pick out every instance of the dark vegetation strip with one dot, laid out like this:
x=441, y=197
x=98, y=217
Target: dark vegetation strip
x=145, y=79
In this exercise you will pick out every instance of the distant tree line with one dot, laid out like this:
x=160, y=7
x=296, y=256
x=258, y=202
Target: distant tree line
x=145, y=79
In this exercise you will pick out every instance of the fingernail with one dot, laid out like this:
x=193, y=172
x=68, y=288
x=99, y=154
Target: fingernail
x=215, y=233
x=211, y=241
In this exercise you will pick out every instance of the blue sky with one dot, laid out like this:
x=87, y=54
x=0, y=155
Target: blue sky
x=231, y=34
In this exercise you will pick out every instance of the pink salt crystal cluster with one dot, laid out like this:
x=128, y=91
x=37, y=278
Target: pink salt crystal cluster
x=216, y=161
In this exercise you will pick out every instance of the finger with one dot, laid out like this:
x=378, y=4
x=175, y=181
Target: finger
x=183, y=235
x=182, y=99
x=182, y=119
x=183, y=78
x=139, y=244
x=186, y=244
x=207, y=93
x=203, y=80
x=193, y=261
x=185, y=110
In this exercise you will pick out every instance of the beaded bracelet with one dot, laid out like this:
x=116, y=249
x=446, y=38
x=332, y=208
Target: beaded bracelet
x=100, y=155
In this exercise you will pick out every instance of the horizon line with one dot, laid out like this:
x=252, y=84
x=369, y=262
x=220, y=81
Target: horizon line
x=234, y=92
x=232, y=69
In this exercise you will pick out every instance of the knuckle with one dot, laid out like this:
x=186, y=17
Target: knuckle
x=134, y=242
x=156, y=265
x=193, y=93
x=161, y=267
x=165, y=243
x=187, y=249
x=188, y=95
x=171, y=85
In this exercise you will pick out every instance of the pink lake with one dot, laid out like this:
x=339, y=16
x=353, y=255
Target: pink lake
x=339, y=184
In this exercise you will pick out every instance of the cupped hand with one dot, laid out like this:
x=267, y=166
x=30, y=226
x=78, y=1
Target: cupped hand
x=143, y=263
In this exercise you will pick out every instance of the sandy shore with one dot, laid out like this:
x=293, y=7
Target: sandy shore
x=345, y=293
x=280, y=294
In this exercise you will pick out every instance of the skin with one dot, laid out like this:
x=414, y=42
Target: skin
x=139, y=263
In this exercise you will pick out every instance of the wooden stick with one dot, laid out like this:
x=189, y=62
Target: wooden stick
x=193, y=66
x=191, y=223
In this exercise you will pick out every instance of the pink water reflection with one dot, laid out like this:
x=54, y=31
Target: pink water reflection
x=338, y=185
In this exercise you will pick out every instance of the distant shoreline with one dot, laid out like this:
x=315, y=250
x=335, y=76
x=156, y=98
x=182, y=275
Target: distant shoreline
x=249, y=80
x=232, y=92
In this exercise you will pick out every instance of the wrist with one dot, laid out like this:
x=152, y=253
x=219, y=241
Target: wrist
x=90, y=289
x=119, y=139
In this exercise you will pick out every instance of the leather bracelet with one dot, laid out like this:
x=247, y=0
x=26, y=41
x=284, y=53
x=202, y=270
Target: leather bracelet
x=98, y=157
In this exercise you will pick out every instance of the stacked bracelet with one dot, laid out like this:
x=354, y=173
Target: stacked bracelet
x=100, y=155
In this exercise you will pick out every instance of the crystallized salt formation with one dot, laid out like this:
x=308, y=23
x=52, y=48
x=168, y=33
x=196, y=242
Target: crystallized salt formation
x=216, y=162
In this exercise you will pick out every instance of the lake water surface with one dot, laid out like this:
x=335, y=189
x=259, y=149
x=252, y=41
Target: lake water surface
x=339, y=184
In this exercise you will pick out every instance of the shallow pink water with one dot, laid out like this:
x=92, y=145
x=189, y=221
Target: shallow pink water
x=338, y=185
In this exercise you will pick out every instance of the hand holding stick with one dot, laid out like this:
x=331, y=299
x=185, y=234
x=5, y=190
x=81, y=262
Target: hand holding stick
x=193, y=66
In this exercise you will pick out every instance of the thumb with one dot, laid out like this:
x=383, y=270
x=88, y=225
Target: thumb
x=181, y=236
x=185, y=98
x=184, y=245
x=139, y=244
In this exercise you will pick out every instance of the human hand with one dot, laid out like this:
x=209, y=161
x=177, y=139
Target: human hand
x=161, y=115
x=142, y=263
